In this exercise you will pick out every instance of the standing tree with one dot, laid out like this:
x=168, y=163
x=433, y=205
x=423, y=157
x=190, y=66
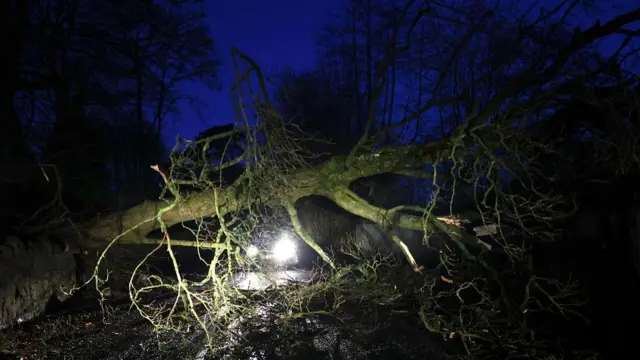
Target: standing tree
x=84, y=61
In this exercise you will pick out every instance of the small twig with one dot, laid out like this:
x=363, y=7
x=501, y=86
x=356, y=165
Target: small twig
x=157, y=169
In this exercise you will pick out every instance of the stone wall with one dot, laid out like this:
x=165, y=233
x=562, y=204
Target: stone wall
x=32, y=272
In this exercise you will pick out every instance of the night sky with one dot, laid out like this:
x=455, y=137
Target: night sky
x=275, y=33
x=280, y=33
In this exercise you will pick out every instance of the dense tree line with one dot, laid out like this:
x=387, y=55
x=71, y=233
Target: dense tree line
x=89, y=87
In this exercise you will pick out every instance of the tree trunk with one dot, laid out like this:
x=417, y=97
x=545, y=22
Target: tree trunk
x=16, y=161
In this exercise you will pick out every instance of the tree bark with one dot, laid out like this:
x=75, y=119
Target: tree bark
x=329, y=179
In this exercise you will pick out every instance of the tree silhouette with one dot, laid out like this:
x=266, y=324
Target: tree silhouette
x=82, y=67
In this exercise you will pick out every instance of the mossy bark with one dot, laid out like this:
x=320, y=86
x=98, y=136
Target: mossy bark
x=328, y=179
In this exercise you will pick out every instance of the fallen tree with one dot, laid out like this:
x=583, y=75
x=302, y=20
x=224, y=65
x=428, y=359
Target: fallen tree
x=484, y=131
x=481, y=160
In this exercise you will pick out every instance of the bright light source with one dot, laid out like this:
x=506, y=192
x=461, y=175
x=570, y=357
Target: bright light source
x=252, y=251
x=284, y=249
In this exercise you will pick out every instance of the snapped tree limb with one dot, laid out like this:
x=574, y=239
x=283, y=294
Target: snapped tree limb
x=331, y=176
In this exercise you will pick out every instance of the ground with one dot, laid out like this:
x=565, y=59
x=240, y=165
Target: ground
x=82, y=333
x=81, y=329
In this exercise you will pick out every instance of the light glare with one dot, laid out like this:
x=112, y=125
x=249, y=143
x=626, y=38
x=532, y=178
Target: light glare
x=284, y=249
x=252, y=251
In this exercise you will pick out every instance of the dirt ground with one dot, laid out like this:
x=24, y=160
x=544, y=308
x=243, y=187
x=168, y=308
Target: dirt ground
x=88, y=334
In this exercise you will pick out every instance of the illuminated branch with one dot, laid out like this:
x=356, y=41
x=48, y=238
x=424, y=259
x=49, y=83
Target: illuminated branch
x=304, y=235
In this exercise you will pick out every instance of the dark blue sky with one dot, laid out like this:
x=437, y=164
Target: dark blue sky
x=275, y=33
x=279, y=33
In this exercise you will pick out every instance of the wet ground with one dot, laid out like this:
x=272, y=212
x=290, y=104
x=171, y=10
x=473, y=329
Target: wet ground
x=86, y=336
x=83, y=330
x=254, y=280
x=90, y=334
